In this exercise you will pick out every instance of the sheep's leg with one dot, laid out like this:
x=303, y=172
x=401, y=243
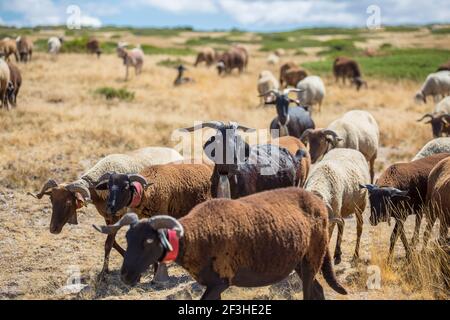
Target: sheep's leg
x=126, y=73
x=161, y=275
x=405, y=244
x=306, y=275
x=214, y=292
x=415, y=237
x=398, y=229
x=337, y=250
x=108, y=246
x=372, y=167
x=118, y=248
x=426, y=235
x=359, y=228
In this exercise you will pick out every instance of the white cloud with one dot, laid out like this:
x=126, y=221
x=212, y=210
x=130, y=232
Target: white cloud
x=88, y=21
x=182, y=6
x=36, y=12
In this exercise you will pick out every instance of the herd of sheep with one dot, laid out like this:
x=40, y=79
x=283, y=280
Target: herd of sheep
x=226, y=222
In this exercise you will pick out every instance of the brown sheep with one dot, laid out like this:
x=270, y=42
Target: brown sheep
x=232, y=59
x=93, y=47
x=294, y=145
x=444, y=66
x=15, y=83
x=438, y=200
x=5, y=84
x=250, y=242
x=24, y=48
x=400, y=191
x=285, y=67
x=8, y=47
x=207, y=55
x=293, y=76
x=244, y=52
x=348, y=68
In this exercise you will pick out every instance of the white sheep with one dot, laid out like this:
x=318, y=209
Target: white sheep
x=54, y=45
x=266, y=82
x=438, y=145
x=4, y=84
x=131, y=58
x=443, y=106
x=436, y=84
x=273, y=59
x=313, y=91
x=356, y=130
x=336, y=179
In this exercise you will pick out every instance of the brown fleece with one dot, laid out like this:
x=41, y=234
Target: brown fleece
x=293, y=76
x=292, y=144
x=346, y=68
x=438, y=193
x=284, y=68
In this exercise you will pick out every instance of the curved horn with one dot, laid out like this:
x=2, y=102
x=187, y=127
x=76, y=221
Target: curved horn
x=208, y=124
x=166, y=222
x=48, y=185
x=77, y=187
x=272, y=91
x=238, y=126
x=305, y=135
x=103, y=179
x=138, y=178
x=289, y=90
x=128, y=219
x=429, y=115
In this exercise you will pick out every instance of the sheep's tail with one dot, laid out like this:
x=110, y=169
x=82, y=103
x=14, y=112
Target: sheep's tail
x=329, y=276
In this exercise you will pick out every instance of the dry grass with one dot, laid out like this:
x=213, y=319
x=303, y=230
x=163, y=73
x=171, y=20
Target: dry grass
x=61, y=128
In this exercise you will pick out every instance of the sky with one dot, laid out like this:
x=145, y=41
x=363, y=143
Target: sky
x=252, y=15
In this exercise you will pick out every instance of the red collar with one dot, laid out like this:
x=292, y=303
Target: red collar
x=175, y=243
x=137, y=194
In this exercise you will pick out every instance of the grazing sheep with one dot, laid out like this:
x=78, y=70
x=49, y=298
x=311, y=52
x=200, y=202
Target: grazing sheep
x=230, y=60
x=438, y=145
x=180, y=78
x=336, y=180
x=293, y=76
x=400, y=191
x=312, y=91
x=444, y=66
x=283, y=69
x=93, y=47
x=54, y=45
x=347, y=68
x=356, y=129
x=294, y=145
x=15, y=83
x=437, y=85
x=266, y=82
x=438, y=194
x=131, y=58
x=240, y=169
x=290, y=121
x=273, y=59
x=207, y=55
x=439, y=123
x=5, y=84
x=8, y=47
x=24, y=48
x=250, y=242
x=68, y=198
x=244, y=53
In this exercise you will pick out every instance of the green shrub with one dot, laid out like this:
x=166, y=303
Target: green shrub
x=175, y=51
x=112, y=93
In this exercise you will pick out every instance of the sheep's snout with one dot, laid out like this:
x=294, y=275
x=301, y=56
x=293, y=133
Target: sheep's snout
x=128, y=278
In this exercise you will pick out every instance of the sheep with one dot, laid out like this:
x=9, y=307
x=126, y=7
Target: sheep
x=24, y=48
x=68, y=198
x=54, y=45
x=438, y=191
x=180, y=78
x=15, y=84
x=93, y=47
x=7, y=48
x=401, y=190
x=273, y=59
x=289, y=121
x=253, y=241
x=347, y=68
x=356, y=129
x=283, y=69
x=438, y=145
x=207, y=55
x=439, y=120
x=312, y=91
x=266, y=82
x=280, y=52
x=172, y=189
x=294, y=145
x=293, y=76
x=244, y=53
x=240, y=169
x=444, y=66
x=436, y=84
x=336, y=180
x=5, y=84
x=133, y=58
x=231, y=59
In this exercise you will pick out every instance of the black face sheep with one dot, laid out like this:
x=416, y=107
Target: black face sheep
x=401, y=190
x=24, y=48
x=67, y=199
x=180, y=78
x=250, y=242
x=336, y=181
x=356, y=129
x=290, y=121
x=241, y=170
x=439, y=123
x=14, y=84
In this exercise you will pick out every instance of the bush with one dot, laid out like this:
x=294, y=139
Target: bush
x=149, y=49
x=112, y=93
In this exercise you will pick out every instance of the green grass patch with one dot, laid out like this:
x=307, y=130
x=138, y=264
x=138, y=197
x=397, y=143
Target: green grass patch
x=413, y=64
x=112, y=93
x=174, y=51
x=40, y=45
x=155, y=32
x=339, y=47
x=401, y=28
x=171, y=63
x=280, y=41
x=440, y=30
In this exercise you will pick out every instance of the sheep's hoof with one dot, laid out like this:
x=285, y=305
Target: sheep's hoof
x=337, y=259
x=102, y=275
x=161, y=276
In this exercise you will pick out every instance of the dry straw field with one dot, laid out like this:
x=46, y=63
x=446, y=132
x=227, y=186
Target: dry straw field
x=61, y=127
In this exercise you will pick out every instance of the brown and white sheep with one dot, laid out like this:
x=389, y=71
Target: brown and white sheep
x=15, y=84
x=230, y=60
x=24, y=48
x=293, y=76
x=8, y=47
x=250, y=242
x=131, y=58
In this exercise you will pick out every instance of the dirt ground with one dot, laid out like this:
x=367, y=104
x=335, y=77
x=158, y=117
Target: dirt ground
x=61, y=128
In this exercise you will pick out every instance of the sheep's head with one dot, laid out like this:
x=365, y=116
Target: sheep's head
x=121, y=189
x=359, y=82
x=281, y=100
x=439, y=122
x=147, y=243
x=66, y=200
x=420, y=97
x=320, y=141
x=382, y=201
